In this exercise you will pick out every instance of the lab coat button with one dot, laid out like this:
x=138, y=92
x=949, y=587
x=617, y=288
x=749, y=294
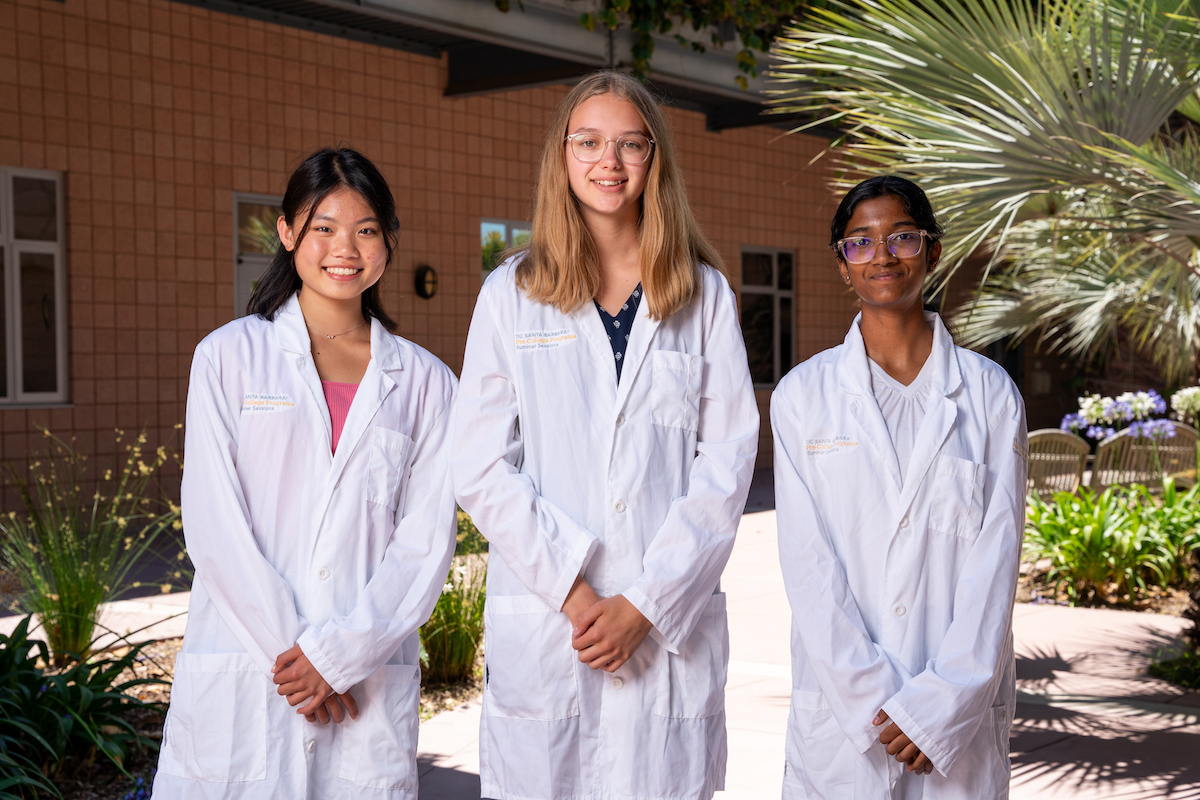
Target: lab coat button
x=900, y=610
x=311, y=746
x=617, y=683
x=300, y=362
x=904, y=522
x=620, y=420
x=323, y=574
x=619, y=506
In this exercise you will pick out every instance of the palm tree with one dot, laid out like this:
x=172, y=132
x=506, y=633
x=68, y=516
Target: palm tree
x=1058, y=137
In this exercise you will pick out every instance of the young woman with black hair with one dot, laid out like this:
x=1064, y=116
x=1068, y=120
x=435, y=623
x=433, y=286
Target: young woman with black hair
x=319, y=513
x=900, y=465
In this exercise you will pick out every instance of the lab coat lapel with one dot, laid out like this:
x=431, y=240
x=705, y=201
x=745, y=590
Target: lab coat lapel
x=641, y=336
x=940, y=413
x=855, y=378
x=372, y=390
x=292, y=335
x=599, y=349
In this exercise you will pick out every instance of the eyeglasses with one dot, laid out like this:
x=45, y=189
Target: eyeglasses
x=632, y=148
x=861, y=249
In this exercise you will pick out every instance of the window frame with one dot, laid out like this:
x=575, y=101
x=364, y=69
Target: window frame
x=13, y=248
x=510, y=227
x=776, y=294
x=248, y=267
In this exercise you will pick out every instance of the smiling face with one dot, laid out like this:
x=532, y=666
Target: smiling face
x=886, y=281
x=343, y=253
x=608, y=188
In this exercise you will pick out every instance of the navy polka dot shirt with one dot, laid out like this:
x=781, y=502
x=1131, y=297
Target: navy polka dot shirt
x=618, y=327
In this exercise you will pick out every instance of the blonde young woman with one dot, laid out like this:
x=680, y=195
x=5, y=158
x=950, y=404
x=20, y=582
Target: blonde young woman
x=604, y=440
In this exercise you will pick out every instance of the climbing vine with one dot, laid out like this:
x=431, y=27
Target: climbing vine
x=754, y=24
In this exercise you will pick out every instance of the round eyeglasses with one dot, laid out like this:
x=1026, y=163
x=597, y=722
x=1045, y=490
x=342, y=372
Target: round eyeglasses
x=632, y=148
x=861, y=249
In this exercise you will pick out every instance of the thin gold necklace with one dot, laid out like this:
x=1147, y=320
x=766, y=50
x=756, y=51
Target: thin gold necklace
x=335, y=335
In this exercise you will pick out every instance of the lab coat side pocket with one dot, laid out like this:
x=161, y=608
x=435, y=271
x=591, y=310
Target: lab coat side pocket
x=956, y=506
x=379, y=749
x=691, y=684
x=675, y=389
x=387, y=466
x=216, y=728
x=529, y=664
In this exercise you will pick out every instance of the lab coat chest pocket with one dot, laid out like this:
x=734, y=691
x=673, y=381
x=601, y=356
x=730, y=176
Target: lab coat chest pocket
x=217, y=699
x=956, y=505
x=379, y=748
x=387, y=466
x=692, y=683
x=675, y=389
x=529, y=665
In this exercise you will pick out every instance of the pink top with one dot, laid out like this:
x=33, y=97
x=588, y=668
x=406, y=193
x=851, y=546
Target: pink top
x=338, y=396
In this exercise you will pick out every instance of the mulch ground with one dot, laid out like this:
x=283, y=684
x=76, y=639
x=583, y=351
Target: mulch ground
x=99, y=779
x=1032, y=587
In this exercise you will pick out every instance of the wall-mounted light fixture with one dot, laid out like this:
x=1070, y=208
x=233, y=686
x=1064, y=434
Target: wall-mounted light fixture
x=426, y=281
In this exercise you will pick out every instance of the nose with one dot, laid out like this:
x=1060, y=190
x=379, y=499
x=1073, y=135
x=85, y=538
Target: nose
x=345, y=243
x=610, y=157
x=882, y=254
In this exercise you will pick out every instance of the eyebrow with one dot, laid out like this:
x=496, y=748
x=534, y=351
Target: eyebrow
x=332, y=218
x=597, y=130
x=894, y=226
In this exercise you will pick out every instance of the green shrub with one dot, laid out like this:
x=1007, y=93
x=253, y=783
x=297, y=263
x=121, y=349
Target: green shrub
x=1098, y=548
x=1184, y=670
x=1176, y=518
x=451, y=637
x=72, y=552
x=48, y=716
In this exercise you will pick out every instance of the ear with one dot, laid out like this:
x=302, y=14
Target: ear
x=844, y=271
x=285, y=233
x=935, y=253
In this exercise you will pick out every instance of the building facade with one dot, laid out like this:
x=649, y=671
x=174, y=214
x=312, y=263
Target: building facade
x=143, y=144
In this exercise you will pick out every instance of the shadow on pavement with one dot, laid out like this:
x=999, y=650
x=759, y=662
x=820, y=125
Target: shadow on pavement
x=1069, y=748
x=445, y=783
x=762, y=492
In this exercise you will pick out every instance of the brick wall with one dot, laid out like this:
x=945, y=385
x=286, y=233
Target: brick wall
x=157, y=112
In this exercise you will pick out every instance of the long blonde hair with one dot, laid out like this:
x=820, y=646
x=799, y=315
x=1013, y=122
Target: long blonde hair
x=560, y=267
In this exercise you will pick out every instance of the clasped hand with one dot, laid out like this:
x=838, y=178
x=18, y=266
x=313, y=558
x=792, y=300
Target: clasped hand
x=903, y=748
x=298, y=681
x=607, y=631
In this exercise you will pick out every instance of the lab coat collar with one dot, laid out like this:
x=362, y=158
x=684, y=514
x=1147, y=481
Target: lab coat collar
x=854, y=375
x=293, y=336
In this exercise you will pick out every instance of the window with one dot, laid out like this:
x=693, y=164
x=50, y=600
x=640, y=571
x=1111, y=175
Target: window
x=33, y=300
x=767, y=312
x=496, y=236
x=254, y=243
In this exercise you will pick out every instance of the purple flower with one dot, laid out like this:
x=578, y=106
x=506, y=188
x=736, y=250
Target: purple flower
x=1160, y=405
x=1098, y=433
x=1072, y=423
x=1157, y=429
x=1121, y=410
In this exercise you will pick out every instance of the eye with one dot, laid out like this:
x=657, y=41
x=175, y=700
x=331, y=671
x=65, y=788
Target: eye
x=587, y=142
x=631, y=144
x=322, y=229
x=367, y=231
x=906, y=236
x=858, y=241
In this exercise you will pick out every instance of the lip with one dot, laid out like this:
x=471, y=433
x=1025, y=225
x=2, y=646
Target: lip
x=336, y=277
x=609, y=189
x=886, y=276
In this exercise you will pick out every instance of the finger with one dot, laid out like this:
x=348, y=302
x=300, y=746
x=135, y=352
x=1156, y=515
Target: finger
x=616, y=664
x=318, y=700
x=880, y=718
x=291, y=687
x=351, y=706
x=311, y=718
x=898, y=743
x=918, y=764
x=322, y=715
x=908, y=753
x=335, y=709
x=286, y=657
x=889, y=733
x=589, y=617
x=928, y=767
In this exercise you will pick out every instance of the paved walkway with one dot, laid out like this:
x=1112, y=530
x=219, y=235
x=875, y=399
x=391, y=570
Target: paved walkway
x=1089, y=724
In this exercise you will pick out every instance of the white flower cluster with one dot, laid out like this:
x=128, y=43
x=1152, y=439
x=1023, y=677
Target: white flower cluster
x=1186, y=403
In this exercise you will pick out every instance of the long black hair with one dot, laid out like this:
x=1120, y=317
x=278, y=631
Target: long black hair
x=916, y=205
x=323, y=172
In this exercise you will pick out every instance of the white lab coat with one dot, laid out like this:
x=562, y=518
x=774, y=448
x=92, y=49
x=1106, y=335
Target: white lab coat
x=342, y=553
x=901, y=591
x=640, y=487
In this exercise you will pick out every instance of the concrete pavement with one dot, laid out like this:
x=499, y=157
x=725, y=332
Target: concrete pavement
x=1090, y=723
